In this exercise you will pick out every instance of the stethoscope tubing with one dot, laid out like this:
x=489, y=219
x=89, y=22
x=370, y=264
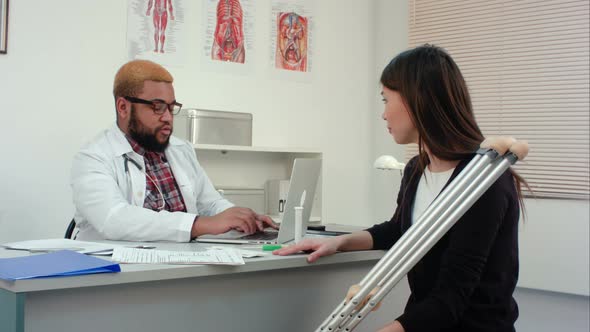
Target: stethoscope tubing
x=140, y=168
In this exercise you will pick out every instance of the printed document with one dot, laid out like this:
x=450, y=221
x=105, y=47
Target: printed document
x=225, y=256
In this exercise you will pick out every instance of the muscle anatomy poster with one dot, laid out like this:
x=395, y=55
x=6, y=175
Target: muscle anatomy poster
x=156, y=30
x=228, y=32
x=292, y=35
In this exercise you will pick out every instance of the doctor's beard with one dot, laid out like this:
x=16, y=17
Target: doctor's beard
x=144, y=136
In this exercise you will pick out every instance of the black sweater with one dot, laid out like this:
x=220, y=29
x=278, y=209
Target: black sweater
x=465, y=282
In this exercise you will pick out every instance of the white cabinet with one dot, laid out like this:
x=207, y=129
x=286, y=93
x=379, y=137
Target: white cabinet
x=242, y=172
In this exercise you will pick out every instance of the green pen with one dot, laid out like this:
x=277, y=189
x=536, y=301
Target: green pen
x=271, y=247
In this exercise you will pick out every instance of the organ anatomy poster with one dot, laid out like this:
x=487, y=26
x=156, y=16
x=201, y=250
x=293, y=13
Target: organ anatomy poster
x=156, y=30
x=292, y=35
x=229, y=35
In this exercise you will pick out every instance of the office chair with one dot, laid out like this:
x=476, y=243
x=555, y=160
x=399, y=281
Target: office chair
x=70, y=229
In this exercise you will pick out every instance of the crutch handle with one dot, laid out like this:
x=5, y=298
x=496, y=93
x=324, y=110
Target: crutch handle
x=520, y=149
x=499, y=144
x=355, y=289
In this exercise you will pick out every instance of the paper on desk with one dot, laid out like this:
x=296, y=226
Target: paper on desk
x=50, y=245
x=245, y=253
x=227, y=256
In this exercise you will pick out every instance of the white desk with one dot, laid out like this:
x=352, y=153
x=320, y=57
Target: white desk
x=267, y=294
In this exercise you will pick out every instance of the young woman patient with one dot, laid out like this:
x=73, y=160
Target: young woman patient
x=465, y=282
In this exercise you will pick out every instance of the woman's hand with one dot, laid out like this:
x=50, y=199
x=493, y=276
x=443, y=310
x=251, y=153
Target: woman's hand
x=395, y=326
x=319, y=247
x=354, y=289
x=328, y=246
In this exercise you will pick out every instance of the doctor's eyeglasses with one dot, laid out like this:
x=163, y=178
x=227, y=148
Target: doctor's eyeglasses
x=158, y=106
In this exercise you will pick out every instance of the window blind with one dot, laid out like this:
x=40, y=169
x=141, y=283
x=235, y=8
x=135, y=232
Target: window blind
x=526, y=64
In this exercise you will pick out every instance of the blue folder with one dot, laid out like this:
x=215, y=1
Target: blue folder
x=55, y=264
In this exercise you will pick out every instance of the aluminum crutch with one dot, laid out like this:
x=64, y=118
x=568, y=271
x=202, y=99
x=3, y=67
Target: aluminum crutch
x=445, y=222
x=344, y=310
x=448, y=207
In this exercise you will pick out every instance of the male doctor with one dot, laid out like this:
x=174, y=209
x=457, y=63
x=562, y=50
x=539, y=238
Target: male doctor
x=136, y=182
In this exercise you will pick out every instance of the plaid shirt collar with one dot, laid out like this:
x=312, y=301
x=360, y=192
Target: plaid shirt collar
x=159, y=156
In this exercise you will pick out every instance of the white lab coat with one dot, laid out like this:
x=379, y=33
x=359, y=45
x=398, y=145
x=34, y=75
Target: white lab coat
x=109, y=202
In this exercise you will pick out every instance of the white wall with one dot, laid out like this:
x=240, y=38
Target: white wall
x=391, y=36
x=554, y=250
x=56, y=82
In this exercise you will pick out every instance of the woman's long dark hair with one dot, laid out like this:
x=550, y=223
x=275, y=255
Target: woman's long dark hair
x=436, y=96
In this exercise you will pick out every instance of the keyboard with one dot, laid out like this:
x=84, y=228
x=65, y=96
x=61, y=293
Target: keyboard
x=261, y=236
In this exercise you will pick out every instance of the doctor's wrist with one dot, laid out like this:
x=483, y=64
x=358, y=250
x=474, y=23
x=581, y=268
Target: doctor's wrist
x=194, y=232
x=201, y=226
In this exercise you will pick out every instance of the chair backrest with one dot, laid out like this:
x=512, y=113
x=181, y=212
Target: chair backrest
x=70, y=229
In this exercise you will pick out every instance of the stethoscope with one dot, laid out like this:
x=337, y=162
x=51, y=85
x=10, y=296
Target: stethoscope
x=129, y=183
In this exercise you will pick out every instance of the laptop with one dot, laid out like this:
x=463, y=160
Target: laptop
x=304, y=179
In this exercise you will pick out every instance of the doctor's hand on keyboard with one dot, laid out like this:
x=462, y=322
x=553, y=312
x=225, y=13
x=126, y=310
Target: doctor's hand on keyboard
x=238, y=218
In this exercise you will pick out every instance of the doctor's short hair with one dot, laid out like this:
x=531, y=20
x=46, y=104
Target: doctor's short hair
x=130, y=77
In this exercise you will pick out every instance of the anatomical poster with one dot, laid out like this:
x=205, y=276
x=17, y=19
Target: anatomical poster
x=229, y=33
x=156, y=31
x=292, y=35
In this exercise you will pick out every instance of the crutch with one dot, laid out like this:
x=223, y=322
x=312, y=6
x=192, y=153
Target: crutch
x=493, y=158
